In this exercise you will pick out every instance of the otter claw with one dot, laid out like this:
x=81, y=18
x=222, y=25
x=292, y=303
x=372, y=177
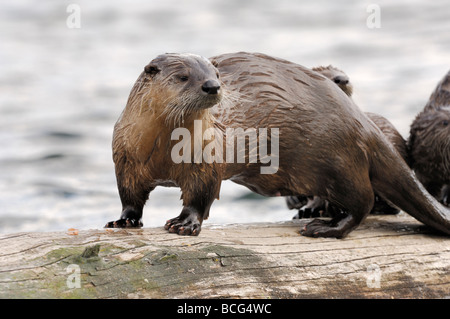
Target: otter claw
x=179, y=227
x=124, y=223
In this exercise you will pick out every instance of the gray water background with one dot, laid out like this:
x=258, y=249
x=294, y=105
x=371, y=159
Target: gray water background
x=62, y=89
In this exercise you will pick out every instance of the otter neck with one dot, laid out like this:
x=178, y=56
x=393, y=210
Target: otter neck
x=190, y=121
x=197, y=124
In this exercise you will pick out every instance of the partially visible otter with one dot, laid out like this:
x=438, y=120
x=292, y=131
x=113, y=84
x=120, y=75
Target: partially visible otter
x=337, y=76
x=429, y=143
x=317, y=207
x=327, y=146
x=441, y=95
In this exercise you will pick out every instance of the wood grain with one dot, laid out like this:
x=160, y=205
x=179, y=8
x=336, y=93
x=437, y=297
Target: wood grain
x=386, y=257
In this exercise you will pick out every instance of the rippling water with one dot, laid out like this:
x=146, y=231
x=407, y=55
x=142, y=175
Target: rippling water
x=62, y=89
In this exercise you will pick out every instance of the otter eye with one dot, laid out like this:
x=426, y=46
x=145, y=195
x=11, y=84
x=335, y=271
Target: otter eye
x=445, y=122
x=218, y=75
x=184, y=78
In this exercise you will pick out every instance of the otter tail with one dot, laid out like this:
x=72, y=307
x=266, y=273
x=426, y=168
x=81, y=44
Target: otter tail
x=401, y=188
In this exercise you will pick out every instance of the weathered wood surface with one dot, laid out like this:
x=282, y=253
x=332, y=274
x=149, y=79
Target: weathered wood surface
x=386, y=257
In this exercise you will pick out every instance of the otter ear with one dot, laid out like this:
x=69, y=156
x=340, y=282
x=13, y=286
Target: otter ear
x=151, y=69
x=214, y=63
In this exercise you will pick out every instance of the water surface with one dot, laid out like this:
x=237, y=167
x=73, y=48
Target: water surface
x=62, y=89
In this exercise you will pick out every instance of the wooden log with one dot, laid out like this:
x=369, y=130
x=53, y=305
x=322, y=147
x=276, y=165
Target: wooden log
x=386, y=257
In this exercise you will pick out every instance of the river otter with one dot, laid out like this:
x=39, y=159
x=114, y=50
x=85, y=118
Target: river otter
x=429, y=143
x=172, y=91
x=327, y=146
x=337, y=76
x=441, y=95
x=318, y=207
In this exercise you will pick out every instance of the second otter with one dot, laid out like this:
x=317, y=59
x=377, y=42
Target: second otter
x=429, y=143
x=315, y=206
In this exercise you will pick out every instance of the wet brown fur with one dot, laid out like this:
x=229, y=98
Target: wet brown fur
x=314, y=207
x=441, y=95
x=327, y=147
x=429, y=142
x=158, y=103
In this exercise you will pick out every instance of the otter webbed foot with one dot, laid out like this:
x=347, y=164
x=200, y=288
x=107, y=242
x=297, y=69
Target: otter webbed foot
x=337, y=227
x=124, y=223
x=130, y=218
x=187, y=223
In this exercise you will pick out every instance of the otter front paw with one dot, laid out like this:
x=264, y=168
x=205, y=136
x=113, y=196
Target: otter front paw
x=187, y=223
x=124, y=223
x=182, y=226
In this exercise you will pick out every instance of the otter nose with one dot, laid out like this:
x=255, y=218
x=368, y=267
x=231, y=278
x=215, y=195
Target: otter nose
x=340, y=80
x=211, y=87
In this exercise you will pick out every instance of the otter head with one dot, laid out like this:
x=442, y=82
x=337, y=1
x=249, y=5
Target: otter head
x=337, y=76
x=433, y=130
x=184, y=83
x=441, y=95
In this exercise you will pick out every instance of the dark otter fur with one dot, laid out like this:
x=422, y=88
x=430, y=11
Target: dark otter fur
x=327, y=147
x=317, y=207
x=441, y=95
x=429, y=143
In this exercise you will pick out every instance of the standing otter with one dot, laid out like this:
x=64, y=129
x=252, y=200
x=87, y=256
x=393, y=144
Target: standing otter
x=172, y=91
x=429, y=143
x=315, y=206
x=327, y=146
